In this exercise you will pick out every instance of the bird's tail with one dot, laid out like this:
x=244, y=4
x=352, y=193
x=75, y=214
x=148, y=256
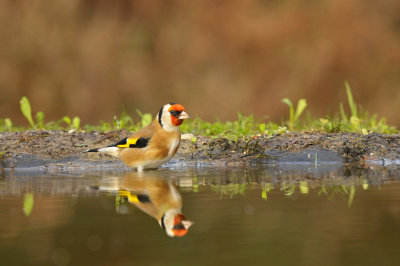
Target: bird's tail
x=113, y=151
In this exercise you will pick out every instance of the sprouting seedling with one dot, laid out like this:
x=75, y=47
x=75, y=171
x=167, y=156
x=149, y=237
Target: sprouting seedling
x=67, y=120
x=352, y=104
x=147, y=118
x=76, y=121
x=343, y=113
x=8, y=123
x=125, y=121
x=294, y=114
x=105, y=126
x=40, y=120
x=26, y=110
x=262, y=127
x=117, y=123
x=354, y=118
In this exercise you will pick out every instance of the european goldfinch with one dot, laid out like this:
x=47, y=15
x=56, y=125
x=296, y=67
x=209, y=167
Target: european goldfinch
x=157, y=197
x=154, y=144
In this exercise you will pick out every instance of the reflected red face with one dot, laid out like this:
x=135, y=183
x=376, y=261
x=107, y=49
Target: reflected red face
x=175, y=111
x=179, y=229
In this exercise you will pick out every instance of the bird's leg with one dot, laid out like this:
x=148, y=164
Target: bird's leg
x=140, y=169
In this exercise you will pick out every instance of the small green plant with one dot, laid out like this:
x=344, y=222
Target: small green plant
x=354, y=118
x=72, y=124
x=26, y=110
x=76, y=121
x=40, y=120
x=330, y=125
x=262, y=127
x=357, y=121
x=8, y=124
x=125, y=121
x=352, y=104
x=146, y=118
x=294, y=114
x=343, y=113
x=66, y=120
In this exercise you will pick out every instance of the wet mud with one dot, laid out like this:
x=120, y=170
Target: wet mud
x=43, y=148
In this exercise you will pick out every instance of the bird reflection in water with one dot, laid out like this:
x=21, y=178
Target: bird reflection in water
x=158, y=197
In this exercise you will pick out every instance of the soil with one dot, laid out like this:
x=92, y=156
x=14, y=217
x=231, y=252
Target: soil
x=43, y=147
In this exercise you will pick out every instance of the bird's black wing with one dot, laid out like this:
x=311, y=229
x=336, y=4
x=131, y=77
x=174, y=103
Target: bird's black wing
x=132, y=143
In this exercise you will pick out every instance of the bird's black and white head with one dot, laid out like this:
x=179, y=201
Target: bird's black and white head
x=171, y=116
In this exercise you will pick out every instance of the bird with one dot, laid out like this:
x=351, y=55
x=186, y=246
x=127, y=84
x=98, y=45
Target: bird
x=154, y=144
x=156, y=196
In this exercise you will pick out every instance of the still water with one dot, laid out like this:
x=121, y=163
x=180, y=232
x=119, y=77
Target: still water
x=225, y=217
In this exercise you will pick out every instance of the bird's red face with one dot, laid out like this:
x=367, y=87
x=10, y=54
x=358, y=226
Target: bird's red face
x=178, y=114
x=181, y=225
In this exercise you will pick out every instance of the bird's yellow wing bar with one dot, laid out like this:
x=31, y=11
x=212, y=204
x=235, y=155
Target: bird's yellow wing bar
x=126, y=194
x=127, y=143
x=132, y=143
x=134, y=198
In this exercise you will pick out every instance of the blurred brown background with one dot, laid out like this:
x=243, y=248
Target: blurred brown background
x=87, y=58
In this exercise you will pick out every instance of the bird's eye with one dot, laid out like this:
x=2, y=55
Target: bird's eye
x=179, y=226
x=175, y=113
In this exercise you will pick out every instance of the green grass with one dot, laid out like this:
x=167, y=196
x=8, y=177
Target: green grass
x=358, y=120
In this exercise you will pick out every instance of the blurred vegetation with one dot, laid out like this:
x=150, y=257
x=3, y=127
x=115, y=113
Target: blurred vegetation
x=28, y=204
x=357, y=121
x=238, y=186
x=232, y=187
x=85, y=58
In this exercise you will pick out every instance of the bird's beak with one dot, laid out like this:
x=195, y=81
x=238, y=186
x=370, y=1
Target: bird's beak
x=183, y=115
x=187, y=224
x=182, y=228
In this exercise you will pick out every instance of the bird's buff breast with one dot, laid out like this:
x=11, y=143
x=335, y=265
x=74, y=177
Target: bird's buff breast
x=152, y=156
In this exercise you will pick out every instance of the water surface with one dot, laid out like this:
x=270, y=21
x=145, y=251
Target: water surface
x=259, y=217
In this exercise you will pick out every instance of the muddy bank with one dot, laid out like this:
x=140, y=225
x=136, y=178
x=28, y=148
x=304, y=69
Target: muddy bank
x=44, y=148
